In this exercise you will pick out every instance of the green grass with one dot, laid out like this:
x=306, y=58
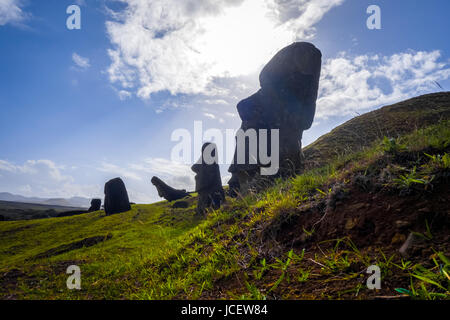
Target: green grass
x=138, y=238
x=156, y=252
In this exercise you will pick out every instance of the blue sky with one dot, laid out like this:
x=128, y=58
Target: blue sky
x=79, y=107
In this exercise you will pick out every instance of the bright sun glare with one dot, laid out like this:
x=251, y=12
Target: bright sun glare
x=241, y=39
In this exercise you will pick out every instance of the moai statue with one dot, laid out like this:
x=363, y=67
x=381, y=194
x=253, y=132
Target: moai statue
x=167, y=192
x=116, y=197
x=208, y=182
x=95, y=205
x=286, y=102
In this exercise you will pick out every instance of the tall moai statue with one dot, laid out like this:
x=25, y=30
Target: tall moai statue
x=208, y=182
x=285, y=102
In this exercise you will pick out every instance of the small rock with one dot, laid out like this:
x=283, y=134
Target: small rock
x=304, y=237
x=362, y=182
x=425, y=210
x=351, y=223
x=408, y=247
x=356, y=206
x=398, y=238
x=402, y=224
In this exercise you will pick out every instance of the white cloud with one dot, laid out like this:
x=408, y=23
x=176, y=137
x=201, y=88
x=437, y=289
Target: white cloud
x=7, y=166
x=11, y=12
x=231, y=115
x=118, y=170
x=80, y=61
x=139, y=174
x=216, y=102
x=358, y=83
x=46, y=179
x=177, y=175
x=33, y=167
x=209, y=115
x=137, y=177
x=42, y=178
x=123, y=94
x=185, y=46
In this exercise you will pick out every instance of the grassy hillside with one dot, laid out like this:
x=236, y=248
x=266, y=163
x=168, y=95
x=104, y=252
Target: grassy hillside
x=391, y=121
x=26, y=211
x=309, y=237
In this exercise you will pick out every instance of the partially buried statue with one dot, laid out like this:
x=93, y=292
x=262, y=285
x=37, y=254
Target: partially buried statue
x=116, y=197
x=95, y=205
x=167, y=192
x=287, y=102
x=208, y=182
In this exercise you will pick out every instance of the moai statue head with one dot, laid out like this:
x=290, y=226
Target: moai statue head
x=208, y=182
x=285, y=102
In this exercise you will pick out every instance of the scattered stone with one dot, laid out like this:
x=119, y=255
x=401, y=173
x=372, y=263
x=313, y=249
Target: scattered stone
x=337, y=194
x=167, y=192
x=398, y=238
x=351, y=223
x=305, y=237
x=362, y=182
x=208, y=182
x=116, y=197
x=400, y=224
x=425, y=210
x=286, y=102
x=356, y=207
x=410, y=245
x=96, y=204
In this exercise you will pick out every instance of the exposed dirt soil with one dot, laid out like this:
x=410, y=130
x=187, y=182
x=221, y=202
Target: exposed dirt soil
x=374, y=221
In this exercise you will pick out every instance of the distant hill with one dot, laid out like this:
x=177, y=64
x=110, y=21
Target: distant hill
x=78, y=202
x=14, y=211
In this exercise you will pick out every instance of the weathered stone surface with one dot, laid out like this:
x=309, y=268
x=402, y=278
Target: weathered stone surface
x=411, y=244
x=116, y=197
x=287, y=102
x=96, y=204
x=167, y=192
x=208, y=182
